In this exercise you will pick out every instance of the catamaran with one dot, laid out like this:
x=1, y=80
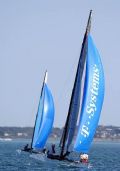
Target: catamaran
x=88, y=105
x=44, y=120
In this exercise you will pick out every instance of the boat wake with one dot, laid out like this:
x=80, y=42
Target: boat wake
x=18, y=151
x=41, y=157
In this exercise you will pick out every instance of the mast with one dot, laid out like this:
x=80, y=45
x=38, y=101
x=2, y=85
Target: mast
x=79, y=69
x=89, y=23
x=44, y=82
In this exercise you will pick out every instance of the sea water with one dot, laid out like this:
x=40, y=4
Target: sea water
x=102, y=156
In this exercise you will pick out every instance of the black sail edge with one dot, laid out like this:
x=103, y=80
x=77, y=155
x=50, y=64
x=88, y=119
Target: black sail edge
x=80, y=69
x=38, y=107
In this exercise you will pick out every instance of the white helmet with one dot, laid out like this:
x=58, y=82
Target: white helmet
x=84, y=156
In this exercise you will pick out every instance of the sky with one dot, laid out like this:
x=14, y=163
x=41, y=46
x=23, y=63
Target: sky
x=36, y=35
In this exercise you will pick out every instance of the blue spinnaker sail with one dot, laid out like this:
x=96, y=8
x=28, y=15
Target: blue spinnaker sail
x=45, y=118
x=92, y=98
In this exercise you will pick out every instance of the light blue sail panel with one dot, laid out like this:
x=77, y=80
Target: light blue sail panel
x=45, y=119
x=92, y=99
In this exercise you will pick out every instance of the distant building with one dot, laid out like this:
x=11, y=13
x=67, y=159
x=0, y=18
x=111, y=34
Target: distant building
x=19, y=134
x=6, y=134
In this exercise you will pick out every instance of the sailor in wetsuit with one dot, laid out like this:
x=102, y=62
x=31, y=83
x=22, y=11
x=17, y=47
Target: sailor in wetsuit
x=51, y=154
x=53, y=148
x=26, y=148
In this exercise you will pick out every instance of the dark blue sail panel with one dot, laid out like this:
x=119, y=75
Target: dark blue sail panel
x=45, y=119
x=38, y=118
x=92, y=99
x=74, y=106
x=74, y=109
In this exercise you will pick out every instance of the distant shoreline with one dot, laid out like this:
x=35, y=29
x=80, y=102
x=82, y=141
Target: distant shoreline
x=54, y=139
x=103, y=133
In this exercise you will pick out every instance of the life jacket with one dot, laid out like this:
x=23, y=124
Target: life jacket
x=84, y=161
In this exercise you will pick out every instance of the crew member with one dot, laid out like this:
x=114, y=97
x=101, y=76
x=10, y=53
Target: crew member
x=53, y=148
x=84, y=158
x=26, y=147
